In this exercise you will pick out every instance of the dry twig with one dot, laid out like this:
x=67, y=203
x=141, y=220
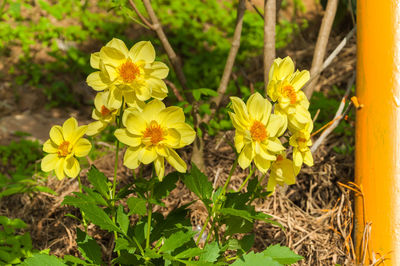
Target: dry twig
x=322, y=42
x=338, y=116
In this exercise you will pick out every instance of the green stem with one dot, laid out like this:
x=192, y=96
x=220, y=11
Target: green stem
x=253, y=197
x=252, y=169
x=83, y=214
x=149, y=213
x=217, y=204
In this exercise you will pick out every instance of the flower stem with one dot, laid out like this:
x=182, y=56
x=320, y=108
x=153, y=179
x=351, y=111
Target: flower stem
x=217, y=204
x=247, y=179
x=83, y=214
x=149, y=213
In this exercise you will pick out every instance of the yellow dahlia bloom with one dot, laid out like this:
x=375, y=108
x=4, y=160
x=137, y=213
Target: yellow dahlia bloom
x=132, y=74
x=102, y=113
x=285, y=86
x=257, y=131
x=64, y=145
x=301, y=142
x=282, y=172
x=153, y=135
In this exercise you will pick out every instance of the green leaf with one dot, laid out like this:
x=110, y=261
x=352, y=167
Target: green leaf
x=162, y=189
x=74, y=260
x=211, y=252
x=99, y=181
x=255, y=259
x=198, y=183
x=239, y=213
x=97, y=198
x=203, y=91
x=88, y=247
x=177, y=240
x=235, y=225
x=123, y=244
x=137, y=206
x=43, y=260
x=189, y=253
x=94, y=213
x=122, y=219
x=282, y=254
x=247, y=242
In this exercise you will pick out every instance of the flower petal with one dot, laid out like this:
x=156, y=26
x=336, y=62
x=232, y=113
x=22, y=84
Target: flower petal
x=285, y=68
x=176, y=162
x=142, y=51
x=187, y=134
x=147, y=154
x=297, y=157
x=119, y=45
x=160, y=167
x=97, y=81
x=300, y=79
x=262, y=164
x=96, y=127
x=131, y=157
x=94, y=60
x=134, y=123
x=115, y=98
x=155, y=84
x=69, y=128
x=79, y=132
x=59, y=169
x=275, y=125
x=152, y=109
x=72, y=167
x=82, y=147
x=158, y=70
x=259, y=108
x=308, y=159
x=49, y=162
x=127, y=138
x=50, y=147
x=240, y=110
x=56, y=135
x=275, y=146
x=171, y=115
x=172, y=139
x=246, y=156
x=112, y=56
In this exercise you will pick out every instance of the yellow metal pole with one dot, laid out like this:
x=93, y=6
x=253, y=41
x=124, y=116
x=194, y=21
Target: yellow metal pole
x=378, y=130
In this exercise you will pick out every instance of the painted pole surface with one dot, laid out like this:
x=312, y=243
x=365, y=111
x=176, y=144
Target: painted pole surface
x=378, y=128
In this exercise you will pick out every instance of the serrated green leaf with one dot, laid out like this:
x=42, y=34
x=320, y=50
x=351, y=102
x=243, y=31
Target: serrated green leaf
x=247, y=242
x=176, y=240
x=235, y=212
x=211, y=252
x=282, y=254
x=235, y=225
x=43, y=260
x=88, y=247
x=97, y=198
x=92, y=212
x=198, y=183
x=136, y=206
x=122, y=219
x=98, y=181
x=252, y=258
x=162, y=189
x=123, y=244
x=189, y=253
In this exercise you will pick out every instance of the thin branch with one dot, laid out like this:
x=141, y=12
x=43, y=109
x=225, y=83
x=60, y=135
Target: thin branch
x=338, y=116
x=142, y=18
x=322, y=42
x=256, y=9
x=223, y=85
x=269, y=37
x=175, y=90
x=175, y=60
x=332, y=56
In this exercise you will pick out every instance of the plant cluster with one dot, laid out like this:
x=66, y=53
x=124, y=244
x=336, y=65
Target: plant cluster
x=130, y=92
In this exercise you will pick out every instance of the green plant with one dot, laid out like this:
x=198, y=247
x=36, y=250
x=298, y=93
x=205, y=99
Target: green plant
x=18, y=163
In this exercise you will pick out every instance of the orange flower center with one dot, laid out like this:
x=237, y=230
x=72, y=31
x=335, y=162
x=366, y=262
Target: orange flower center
x=258, y=131
x=290, y=93
x=279, y=158
x=129, y=71
x=63, y=149
x=301, y=140
x=104, y=111
x=154, y=133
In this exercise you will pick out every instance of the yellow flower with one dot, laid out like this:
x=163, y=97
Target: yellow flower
x=257, y=131
x=285, y=86
x=153, y=135
x=132, y=74
x=64, y=145
x=301, y=142
x=102, y=113
x=282, y=172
